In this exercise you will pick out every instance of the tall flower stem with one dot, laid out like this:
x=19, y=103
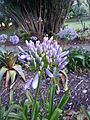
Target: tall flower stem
x=36, y=96
x=64, y=45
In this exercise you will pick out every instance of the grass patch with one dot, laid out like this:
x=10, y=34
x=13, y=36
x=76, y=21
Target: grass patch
x=77, y=25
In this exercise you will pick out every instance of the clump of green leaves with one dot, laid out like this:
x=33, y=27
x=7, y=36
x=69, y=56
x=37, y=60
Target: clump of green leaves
x=50, y=112
x=78, y=58
x=9, y=67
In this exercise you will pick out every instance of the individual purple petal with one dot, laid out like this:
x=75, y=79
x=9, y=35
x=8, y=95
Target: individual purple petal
x=63, y=65
x=21, y=60
x=48, y=79
x=27, y=43
x=64, y=53
x=45, y=39
x=37, y=43
x=50, y=60
x=28, y=58
x=47, y=58
x=41, y=67
x=34, y=38
x=54, y=70
x=49, y=73
x=39, y=59
x=63, y=59
x=48, y=67
x=34, y=63
x=51, y=39
x=27, y=84
x=40, y=49
x=58, y=75
x=59, y=51
x=43, y=55
x=23, y=56
x=35, y=80
x=42, y=63
x=22, y=51
x=50, y=53
x=58, y=60
x=27, y=65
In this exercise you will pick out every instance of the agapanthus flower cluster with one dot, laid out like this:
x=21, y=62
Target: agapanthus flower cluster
x=67, y=33
x=34, y=38
x=47, y=55
x=14, y=39
x=3, y=38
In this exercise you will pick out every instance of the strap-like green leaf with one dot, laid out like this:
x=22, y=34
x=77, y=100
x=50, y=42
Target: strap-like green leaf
x=12, y=75
x=29, y=96
x=85, y=112
x=64, y=99
x=15, y=116
x=2, y=72
x=56, y=114
x=25, y=113
x=11, y=97
x=81, y=57
x=51, y=102
x=18, y=68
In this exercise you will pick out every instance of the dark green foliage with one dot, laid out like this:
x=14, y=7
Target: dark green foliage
x=78, y=58
x=38, y=16
x=85, y=112
x=19, y=112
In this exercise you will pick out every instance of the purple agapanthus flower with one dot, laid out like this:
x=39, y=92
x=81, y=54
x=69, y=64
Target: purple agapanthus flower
x=67, y=33
x=34, y=38
x=47, y=55
x=49, y=73
x=14, y=39
x=27, y=84
x=3, y=38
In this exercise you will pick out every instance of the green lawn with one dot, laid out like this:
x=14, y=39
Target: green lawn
x=77, y=25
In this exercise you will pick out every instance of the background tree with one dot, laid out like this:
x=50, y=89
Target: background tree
x=38, y=16
x=79, y=8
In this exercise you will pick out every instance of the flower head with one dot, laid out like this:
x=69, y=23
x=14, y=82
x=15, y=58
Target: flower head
x=34, y=38
x=14, y=39
x=67, y=33
x=47, y=55
x=3, y=38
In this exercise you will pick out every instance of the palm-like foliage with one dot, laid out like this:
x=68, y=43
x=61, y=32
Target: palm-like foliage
x=9, y=67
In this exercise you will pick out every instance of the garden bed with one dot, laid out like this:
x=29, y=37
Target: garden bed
x=79, y=93
x=75, y=42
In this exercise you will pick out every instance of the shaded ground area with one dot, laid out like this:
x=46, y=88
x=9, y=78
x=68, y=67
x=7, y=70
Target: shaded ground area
x=79, y=93
x=76, y=42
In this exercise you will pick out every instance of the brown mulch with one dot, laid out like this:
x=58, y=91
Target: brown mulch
x=79, y=93
x=77, y=41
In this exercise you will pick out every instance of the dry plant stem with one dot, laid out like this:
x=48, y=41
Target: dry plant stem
x=63, y=80
x=7, y=78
